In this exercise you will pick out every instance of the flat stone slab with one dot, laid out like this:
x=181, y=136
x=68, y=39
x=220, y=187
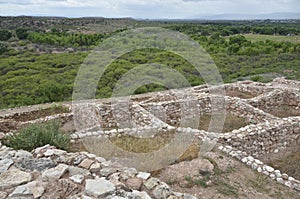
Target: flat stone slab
x=78, y=171
x=14, y=177
x=55, y=173
x=5, y=164
x=35, y=164
x=77, y=178
x=143, y=175
x=99, y=187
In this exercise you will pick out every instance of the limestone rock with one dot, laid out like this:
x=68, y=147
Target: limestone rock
x=188, y=196
x=78, y=171
x=99, y=187
x=63, y=188
x=151, y=183
x=107, y=171
x=137, y=194
x=3, y=195
x=36, y=189
x=95, y=167
x=161, y=191
x=143, y=175
x=30, y=190
x=269, y=169
x=14, y=177
x=134, y=183
x=21, y=192
x=35, y=164
x=128, y=173
x=78, y=159
x=55, y=173
x=284, y=176
x=86, y=163
x=5, y=164
x=77, y=178
x=23, y=154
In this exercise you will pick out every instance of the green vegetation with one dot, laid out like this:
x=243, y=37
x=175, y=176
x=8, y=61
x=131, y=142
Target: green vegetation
x=37, y=135
x=260, y=183
x=29, y=76
x=3, y=48
x=32, y=79
x=227, y=28
x=22, y=33
x=5, y=35
x=226, y=189
x=198, y=181
x=277, y=38
x=65, y=39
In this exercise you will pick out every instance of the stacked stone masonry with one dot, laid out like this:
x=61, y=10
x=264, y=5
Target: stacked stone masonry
x=161, y=111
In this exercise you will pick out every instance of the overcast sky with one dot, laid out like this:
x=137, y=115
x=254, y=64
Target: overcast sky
x=152, y=9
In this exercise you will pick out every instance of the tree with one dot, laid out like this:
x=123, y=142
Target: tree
x=22, y=33
x=52, y=92
x=5, y=35
x=233, y=48
x=3, y=48
x=239, y=39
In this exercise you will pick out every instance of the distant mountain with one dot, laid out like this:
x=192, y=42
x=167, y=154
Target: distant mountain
x=279, y=15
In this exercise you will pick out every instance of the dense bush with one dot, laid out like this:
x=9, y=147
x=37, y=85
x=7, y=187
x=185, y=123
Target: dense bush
x=227, y=28
x=37, y=135
x=65, y=39
x=22, y=33
x=256, y=78
x=30, y=78
x=3, y=48
x=5, y=35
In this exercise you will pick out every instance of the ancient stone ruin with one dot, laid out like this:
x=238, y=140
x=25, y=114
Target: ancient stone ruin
x=270, y=111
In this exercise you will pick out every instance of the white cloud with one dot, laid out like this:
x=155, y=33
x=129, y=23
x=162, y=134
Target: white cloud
x=25, y=2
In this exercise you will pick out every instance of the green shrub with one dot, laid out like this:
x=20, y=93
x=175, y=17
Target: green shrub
x=37, y=135
x=3, y=48
x=198, y=181
x=5, y=35
x=262, y=79
x=256, y=78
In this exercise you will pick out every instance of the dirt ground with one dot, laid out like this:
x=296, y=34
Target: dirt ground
x=287, y=161
x=219, y=176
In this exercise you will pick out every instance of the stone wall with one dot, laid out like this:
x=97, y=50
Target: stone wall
x=260, y=167
x=277, y=98
x=266, y=137
x=167, y=110
x=52, y=173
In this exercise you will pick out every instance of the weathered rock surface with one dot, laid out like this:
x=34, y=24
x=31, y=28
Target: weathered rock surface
x=14, y=177
x=5, y=164
x=193, y=168
x=55, y=173
x=99, y=187
x=77, y=179
x=33, y=164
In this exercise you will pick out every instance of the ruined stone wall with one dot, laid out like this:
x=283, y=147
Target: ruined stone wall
x=277, y=98
x=164, y=112
x=264, y=138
